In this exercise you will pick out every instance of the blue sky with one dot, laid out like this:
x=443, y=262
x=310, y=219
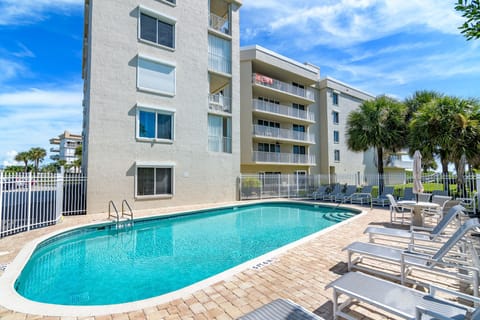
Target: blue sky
x=389, y=47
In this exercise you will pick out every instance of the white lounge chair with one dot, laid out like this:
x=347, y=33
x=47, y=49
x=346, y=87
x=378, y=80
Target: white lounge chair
x=281, y=309
x=401, y=301
x=397, y=209
x=459, y=265
x=420, y=233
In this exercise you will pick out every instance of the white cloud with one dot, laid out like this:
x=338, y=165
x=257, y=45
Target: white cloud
x=348, y=22
x=10, y=69
x=32, y=117
x=23, y=52
x=20, y=12
x=9, y=158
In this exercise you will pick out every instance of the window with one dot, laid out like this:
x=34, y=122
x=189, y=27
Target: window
x=154, y=180
x=155, y=124
x=155, y=76
x=268, y=100
x=335, y=98
x=269, y=147
x=219, y=54
x=157, y=28
x=268, y=123
x=299, y=149
x=335, y=117
x=336, y=136
x=336, y=155
x=219, y=134
x=297, y=106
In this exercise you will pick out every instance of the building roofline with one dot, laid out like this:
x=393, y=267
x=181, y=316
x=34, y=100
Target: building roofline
x=347, y=85
x=306, y=66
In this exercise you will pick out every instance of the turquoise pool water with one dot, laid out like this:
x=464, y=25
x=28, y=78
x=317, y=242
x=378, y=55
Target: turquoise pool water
x=104, y=265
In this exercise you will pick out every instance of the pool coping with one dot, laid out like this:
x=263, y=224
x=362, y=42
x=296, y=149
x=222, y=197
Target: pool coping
x=14, y=301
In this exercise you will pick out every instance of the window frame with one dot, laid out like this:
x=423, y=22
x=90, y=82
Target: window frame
x=335, y=98
x=156, y=110
x=159, y=17
x=336, y=155
x=337, y=115
x=336, y=136
x=155, y=165
x=161, y=62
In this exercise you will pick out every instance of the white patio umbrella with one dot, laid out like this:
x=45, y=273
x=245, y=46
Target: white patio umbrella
x=417, y=172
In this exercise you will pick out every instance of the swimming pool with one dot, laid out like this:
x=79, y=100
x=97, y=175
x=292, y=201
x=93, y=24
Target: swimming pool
x=101, y=265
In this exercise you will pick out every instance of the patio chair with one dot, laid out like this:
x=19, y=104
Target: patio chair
x=382, y=198
x=362, y=197
x=458, y=265
x=470, y=203
x=321, y=191
x=439, y=193
x=397, y=209
x=429, y=213
x=343, y=197
x=401, y=301
x=423, y=197
x=281, y=309
x=408, y=194
x=420, y=233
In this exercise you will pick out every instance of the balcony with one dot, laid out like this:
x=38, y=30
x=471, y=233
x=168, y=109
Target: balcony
x=219, y=63
x=282, y=110
x=220, y=144
x=283, y=134
x=218, y=102
x=54, y=150
x=285, y=158
x=219, y=24
x=264, y=81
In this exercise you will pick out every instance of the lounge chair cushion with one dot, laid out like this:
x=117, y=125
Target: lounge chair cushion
x=280, y=309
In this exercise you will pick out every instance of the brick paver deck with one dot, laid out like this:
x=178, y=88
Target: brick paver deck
x=300, y=275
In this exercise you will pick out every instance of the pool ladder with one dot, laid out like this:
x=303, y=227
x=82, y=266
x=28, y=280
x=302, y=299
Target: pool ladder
x=127, y=216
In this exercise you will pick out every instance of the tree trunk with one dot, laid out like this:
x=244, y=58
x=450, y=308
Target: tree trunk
x=446, y=178
x=380, y=170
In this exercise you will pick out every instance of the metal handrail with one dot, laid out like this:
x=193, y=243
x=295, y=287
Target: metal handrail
x=125, y=203
x=110, y=205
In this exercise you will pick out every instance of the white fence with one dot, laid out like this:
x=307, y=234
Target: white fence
x=29, y=201
x=263, y=186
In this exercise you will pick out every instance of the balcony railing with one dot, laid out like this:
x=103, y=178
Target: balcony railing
x=220, y=144
x=220, y=24
x=219, y=63
x=287, y=158
x=278, y=133
x=219, y=102
x=54, y=150
x=262, y=80
x=283, y=110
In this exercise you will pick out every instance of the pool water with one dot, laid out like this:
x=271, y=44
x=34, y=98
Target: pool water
x=104, y=265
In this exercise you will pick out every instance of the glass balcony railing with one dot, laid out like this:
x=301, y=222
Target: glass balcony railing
x=218, y=102
x=307, y=93
x=283, y=110
x=285, y=134
x=219, y=23
x=286, y=158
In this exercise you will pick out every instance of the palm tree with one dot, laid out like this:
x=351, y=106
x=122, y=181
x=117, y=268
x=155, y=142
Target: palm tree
x=37, y=155
x=447, y=127
x=23, y=157
x=419, y=99
x=379, y=124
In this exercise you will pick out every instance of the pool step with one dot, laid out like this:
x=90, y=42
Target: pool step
x=338, y=216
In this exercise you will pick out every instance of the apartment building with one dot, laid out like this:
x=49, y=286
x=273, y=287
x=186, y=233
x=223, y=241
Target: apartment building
x=293, y=122
x=277, y=102
x=64, y=147
x=335, y=101
x=161, y=102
